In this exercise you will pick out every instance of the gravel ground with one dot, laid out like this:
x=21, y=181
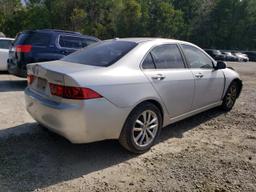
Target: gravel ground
x=213, y=151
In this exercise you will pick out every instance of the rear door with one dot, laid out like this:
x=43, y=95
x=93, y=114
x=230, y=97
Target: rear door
x=209, y=83
x=165, y=68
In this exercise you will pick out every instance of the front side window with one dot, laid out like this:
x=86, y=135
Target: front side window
x=196, y=58
x=167, y=57
x=102, y=54
x=5, y=44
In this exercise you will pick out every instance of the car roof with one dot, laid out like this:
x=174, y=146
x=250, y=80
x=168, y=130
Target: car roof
x=147, y=39
x=6, y=38
x=51, y=30
x=58, y=31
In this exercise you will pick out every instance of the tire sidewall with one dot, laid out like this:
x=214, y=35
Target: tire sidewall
x=130, y=123
x=224, y=104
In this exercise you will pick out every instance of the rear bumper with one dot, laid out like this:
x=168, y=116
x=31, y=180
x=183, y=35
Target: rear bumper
x=81, y=122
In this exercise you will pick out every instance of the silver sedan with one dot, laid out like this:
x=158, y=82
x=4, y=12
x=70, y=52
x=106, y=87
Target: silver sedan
x=127, y=89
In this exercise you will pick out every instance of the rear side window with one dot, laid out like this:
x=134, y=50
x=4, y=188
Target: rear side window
x=33, y=38
x=5, y=44
x=74, y=42
x=167, y=57
x=101, y=54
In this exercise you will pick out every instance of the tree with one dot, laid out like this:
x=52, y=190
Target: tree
x=128, y=23
x=222, y=24
x=164, y=20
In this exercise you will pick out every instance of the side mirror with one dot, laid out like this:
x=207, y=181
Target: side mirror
x=220, y=65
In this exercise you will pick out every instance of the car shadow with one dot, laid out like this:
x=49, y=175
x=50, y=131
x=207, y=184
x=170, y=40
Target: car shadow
x=12, y=85
x=35, y=158
x=177, y=130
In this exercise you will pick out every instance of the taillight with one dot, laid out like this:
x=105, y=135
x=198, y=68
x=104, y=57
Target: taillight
x=30, y=79
x=23, y=48
x=73, y=92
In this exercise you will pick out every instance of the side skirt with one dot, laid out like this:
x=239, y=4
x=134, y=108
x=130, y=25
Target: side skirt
x=192, y=113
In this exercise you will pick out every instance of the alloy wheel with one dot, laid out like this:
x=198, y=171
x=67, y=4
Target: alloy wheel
x=231, y=96
x=145, y=128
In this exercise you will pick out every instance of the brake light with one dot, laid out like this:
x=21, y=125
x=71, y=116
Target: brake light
x=73, y=92
x=30, y=79
x=23, y=48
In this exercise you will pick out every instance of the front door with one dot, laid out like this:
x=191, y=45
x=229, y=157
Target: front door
x=209, y=83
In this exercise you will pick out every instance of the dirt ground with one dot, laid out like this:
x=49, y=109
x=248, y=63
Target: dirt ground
x=213, y=151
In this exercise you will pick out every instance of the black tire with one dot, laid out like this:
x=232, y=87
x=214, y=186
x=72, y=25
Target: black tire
x=230, y=97
x=126, y=138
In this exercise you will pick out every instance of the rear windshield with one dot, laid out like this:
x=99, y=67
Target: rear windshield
x=36, y=39
x=101, y=54
x=5, y=44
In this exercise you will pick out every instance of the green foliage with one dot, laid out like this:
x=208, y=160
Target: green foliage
x=224, y=24
x=128, y=23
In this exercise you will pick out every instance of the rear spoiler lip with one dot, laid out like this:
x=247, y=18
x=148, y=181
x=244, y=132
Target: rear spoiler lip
x=51, y=76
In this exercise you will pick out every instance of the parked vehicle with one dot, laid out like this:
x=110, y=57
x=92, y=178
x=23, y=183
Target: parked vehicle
x=216, y=54
x=2, y=34
x=127, y=89
x=43, y=45
x=251, y=55
x=230, y=57
x=4, y=51
x=241, y=56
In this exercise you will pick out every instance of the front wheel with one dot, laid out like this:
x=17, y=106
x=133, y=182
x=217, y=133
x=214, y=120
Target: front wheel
x=141, y=128
x=230, y=97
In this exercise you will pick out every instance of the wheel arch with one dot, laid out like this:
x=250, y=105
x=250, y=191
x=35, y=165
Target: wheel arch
x=240, y=86
x=157, y=104
x=151, y=101
x=126, y=143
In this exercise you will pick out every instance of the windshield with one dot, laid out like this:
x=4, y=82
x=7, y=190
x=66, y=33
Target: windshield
x=5, y=44
x=101, y=54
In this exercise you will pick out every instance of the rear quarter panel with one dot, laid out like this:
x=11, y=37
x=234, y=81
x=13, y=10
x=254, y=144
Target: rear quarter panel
x=123, y=84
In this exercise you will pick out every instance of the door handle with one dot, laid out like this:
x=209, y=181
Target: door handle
x=199, y=75
x=158, y=77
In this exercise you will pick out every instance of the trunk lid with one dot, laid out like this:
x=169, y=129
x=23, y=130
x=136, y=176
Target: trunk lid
x=56, y=72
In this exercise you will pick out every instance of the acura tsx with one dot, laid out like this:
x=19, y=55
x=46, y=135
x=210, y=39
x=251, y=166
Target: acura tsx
x=127, y=89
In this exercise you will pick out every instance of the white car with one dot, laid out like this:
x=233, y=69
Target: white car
x=127, y=89
x=242, y=57
x=4, y=52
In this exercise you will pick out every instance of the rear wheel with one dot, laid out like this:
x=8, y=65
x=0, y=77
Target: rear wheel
x=141, y=128
x=230, y=97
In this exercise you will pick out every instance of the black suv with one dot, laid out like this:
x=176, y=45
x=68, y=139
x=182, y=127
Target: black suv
x=216, y=54
x=43, y=45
